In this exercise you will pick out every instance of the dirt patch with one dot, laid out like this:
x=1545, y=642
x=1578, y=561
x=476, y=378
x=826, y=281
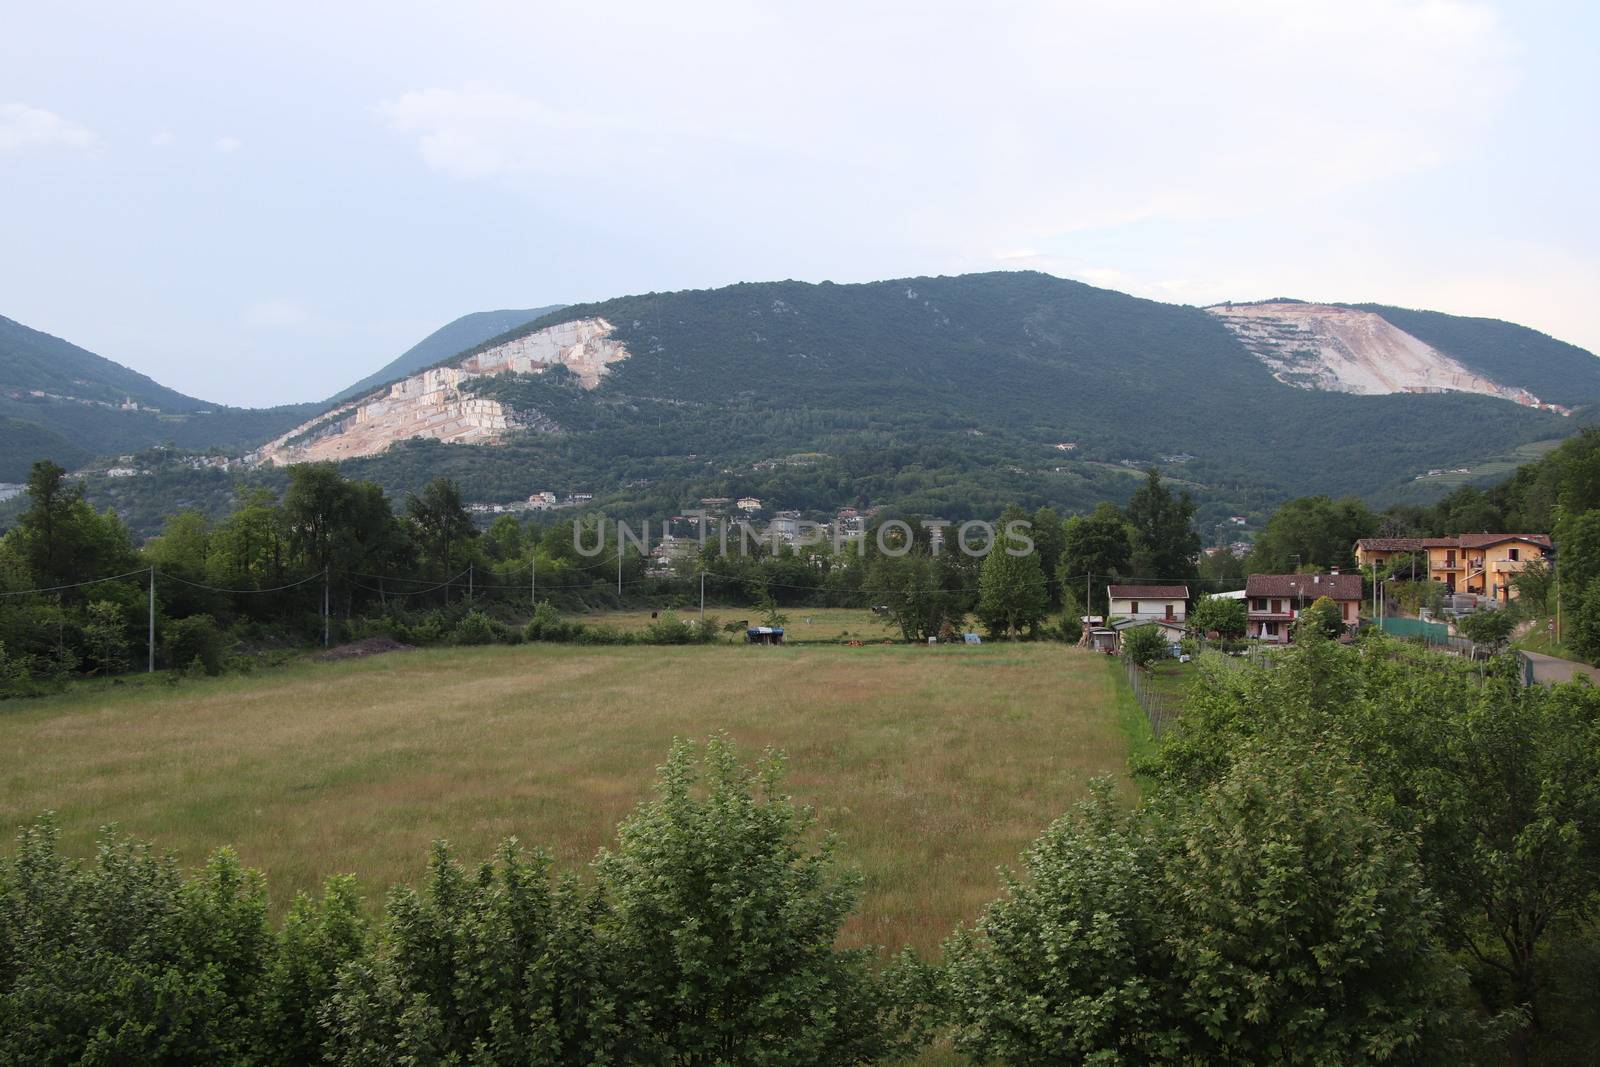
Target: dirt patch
x=367, y=646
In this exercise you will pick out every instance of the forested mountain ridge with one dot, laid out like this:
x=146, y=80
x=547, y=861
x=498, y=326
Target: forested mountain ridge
x=1509, y=353
x=445, y=342
x=63, y=402
x=949, y=395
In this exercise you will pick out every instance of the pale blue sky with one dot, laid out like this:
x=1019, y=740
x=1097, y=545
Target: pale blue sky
x=261, y=205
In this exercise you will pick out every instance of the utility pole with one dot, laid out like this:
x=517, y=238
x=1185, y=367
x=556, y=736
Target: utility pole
x=469, y=583
x=533, y=583
x=324, y=607
x=702, y=600
x=619, y=564
x=150, y=668
x=1088, y=605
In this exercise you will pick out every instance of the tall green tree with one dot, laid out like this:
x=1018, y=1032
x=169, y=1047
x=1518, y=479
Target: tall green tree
x=1011, y=586
x=1313, y=532
x=440, y=520
x=1165, y=543
x=1098, y=544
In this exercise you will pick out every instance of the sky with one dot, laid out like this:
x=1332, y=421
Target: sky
x=261, y=203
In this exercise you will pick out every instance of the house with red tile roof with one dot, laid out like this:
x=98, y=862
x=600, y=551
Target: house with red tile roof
x=1274, y=601
x=1483, y=563
x=1149, y=603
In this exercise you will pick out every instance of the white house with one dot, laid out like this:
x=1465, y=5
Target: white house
x=748, y=503
x=1149, y=603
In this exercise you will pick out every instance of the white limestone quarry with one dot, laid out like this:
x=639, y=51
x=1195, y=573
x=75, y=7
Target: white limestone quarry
x=1346, y=350
x=432, y=403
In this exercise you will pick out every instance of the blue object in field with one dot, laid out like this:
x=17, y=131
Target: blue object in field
x=972, y=639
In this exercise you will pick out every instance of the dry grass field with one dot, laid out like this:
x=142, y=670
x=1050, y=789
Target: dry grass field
x=934, y=765
x=805, y=624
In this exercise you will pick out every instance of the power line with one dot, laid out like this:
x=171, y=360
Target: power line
x=73, y=585
x=219, y=589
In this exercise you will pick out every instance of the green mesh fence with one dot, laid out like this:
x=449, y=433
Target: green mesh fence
x=1435, y=633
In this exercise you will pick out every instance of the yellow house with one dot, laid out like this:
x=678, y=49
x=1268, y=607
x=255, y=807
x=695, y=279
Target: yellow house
x=1484, y=564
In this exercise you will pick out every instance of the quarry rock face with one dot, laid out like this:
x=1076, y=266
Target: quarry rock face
x=433, y=404
x=1346, y=350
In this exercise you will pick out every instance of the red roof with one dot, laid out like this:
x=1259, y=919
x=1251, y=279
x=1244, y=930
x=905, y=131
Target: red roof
x=1390, y=544
x=1148, y=592
x=1484, y=540
x=1305, y=586
x=1477, y=540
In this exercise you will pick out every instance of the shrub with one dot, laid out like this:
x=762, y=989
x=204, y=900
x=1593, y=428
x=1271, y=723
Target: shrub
x=105, y=635
x=503, y=967
x=1488, y=627
x=724, y=917
x=602, y=635
x=1321, y=619
x=122, y=961
x=1268, y=919
x=195, y=640
x=1143, y=645
x=548, y=624
x=475, y=628
x=668, y=629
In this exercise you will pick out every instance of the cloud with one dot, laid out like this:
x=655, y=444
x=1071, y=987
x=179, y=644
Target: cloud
x=162, y=138
x=23, y=127
x=227, y=144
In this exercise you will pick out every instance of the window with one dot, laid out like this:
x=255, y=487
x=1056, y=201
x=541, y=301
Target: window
x=1277, y=607
x=1169, y=611
x=1133, y=607
x=1512, y=554
x=1272, y=629
x=1258, y=604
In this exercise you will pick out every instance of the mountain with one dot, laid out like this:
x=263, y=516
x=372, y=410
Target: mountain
x=59, y=401
x=948, y=396
x=446, y=341
x=1557, y=371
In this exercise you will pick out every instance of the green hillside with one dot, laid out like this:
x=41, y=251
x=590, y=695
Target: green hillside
x=1505, y=352
x=948, y=395
x=33, y=360
x=446, y=341
x=21, y=442
x=62, y=402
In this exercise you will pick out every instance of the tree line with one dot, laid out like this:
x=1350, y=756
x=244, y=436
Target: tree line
x=334, y=555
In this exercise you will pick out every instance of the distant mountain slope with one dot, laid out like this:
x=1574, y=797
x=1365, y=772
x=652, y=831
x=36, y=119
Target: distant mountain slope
x=31, y=360
x=62, y=402
x=945, y=395
x=1352, y=350
x=446, y=341
x=1513, y=355
x=23, y=442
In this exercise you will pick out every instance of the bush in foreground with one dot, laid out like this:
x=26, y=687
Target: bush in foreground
x=707, y=937
x=1268, y=920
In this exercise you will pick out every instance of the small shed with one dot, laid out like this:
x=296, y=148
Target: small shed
x=1103, y=640
x=764, y=635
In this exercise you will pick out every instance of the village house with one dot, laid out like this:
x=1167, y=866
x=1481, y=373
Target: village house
x=1274, y=601
x=1149, y=603
x=1484, y=564
x=748, y=504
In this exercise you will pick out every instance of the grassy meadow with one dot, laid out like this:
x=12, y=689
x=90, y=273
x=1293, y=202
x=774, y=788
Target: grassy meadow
x=805, y=624
x=934, y=765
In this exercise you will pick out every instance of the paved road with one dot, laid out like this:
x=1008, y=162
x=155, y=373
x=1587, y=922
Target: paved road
x=1548, y=670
